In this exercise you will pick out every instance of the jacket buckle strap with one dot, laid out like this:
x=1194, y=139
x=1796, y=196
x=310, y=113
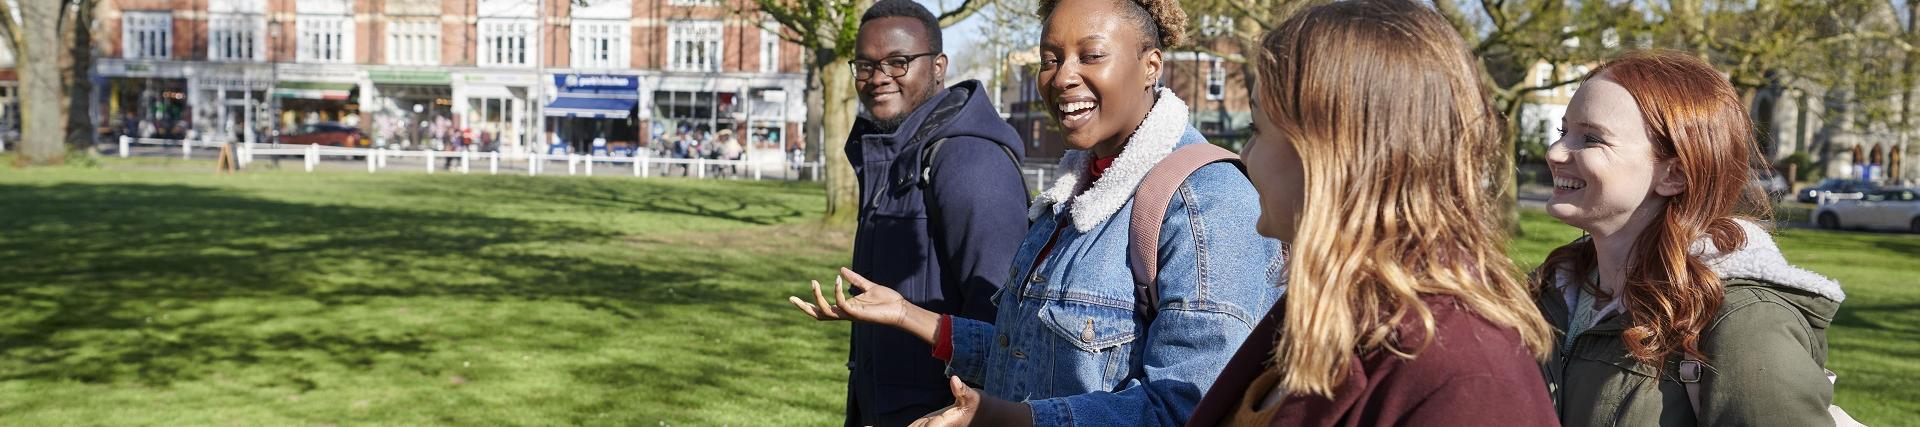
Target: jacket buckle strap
x=1690, y=371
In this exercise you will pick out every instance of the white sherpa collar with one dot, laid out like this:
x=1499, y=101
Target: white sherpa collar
x=1166, y=123
x=1759, y=260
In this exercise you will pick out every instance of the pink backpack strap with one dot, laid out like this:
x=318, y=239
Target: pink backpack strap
x=1150, y=202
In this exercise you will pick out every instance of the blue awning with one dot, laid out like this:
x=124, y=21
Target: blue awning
x=578, y=106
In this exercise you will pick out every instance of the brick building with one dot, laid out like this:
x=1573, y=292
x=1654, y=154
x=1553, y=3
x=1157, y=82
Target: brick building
x=527, y=72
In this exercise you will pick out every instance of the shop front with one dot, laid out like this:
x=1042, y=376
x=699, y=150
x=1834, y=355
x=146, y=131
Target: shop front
x=497, y=106
x=230, y=101
x=594, y=114
x=763, y=112
x=410, y=108
x=146, y=99
x=310, y=95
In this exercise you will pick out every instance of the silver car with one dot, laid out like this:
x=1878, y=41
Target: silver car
x=1893, y=208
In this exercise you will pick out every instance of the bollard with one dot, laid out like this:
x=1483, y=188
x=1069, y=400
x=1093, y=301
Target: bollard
x=369, y=162
x=186, y=148
x=313, y=151
x=645, y=163
x=571, y=165
x=636, y=165
x=701, y=167
x=493, y=164
x=756, y=172
x=124, y=141
x=589, y=165
x=532, y=161
x=466, y=156
x=429, y=161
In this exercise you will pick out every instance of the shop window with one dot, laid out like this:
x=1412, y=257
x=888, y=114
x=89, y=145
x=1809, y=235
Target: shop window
x=235, y=36
x=600, y=44
x=413, y=42
x=326, y=39
x=693, y=46
x=506, y=42
x=146, y=35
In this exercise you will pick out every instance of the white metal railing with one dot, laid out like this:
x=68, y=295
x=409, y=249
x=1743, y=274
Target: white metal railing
x=535, y=163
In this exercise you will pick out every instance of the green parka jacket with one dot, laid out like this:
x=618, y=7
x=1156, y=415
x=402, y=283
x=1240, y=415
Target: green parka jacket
x=1766, y=351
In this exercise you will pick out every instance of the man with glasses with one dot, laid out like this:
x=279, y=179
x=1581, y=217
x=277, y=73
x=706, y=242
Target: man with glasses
x=943, y=205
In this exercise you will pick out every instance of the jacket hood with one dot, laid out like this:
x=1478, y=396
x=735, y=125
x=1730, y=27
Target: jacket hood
x=1760, y=264
x=1163, y=130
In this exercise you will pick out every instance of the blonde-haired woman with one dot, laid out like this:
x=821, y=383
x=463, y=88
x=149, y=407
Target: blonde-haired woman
x=1373, y=155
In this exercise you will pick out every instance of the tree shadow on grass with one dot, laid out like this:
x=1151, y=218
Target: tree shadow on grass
x=88, y=267
x=1884, y=317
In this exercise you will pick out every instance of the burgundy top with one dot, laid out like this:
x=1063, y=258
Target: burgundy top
x=1474, y=374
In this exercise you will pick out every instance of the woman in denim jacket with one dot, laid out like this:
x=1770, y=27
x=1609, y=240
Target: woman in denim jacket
x=1067, y=347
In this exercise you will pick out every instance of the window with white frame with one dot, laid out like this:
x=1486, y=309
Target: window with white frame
x=600, y=44
x=769, y=51
x=146, y=35
x=1217, y=80
x=507, y=42
x=325, y=39
x=693, y=46
x=235, y=36
x=413, y=41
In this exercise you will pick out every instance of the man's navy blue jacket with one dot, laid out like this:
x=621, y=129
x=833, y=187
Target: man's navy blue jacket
x=946, y=245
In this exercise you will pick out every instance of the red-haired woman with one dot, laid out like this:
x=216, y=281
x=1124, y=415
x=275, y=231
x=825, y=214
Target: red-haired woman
x=1677, y=271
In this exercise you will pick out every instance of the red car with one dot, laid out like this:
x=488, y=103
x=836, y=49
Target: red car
x=333, y=134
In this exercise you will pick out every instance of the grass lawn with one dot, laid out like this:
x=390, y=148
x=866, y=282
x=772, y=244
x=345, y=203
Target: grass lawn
x=138, y=297
x=140, y=294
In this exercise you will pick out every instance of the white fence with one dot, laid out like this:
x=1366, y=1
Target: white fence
x=465, y=162
x=530, y=163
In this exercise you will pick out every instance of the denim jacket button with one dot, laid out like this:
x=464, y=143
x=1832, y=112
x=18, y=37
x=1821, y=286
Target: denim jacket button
x=1038, y=278
x=1003, y=340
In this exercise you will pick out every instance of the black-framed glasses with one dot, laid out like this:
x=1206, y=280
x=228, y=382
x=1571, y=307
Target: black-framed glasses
x=894, y=66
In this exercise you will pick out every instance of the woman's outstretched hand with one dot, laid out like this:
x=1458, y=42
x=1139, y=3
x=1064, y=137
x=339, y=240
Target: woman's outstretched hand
x=876, y=304
x=966, y=404
x=970, y=408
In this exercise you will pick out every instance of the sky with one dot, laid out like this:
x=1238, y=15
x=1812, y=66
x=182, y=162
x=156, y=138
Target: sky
x=966, y=33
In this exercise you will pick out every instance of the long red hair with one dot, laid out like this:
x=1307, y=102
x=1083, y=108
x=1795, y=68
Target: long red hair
x=1694, y=118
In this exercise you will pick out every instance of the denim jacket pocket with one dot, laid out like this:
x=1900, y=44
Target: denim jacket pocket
x=1089, y=327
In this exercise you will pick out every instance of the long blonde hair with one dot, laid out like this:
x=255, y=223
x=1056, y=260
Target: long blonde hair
x=1400, y=150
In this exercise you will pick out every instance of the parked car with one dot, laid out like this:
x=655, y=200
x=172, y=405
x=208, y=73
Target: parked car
x=1836, y=188
x=1896, y=209
x=333, y=134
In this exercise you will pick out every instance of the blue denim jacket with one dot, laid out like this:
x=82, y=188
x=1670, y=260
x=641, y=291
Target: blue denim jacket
x=1066, y=339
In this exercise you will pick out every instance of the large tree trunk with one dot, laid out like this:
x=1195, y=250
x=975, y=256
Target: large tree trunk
x=79, y=81
x=836, y=120
x=37, y=62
